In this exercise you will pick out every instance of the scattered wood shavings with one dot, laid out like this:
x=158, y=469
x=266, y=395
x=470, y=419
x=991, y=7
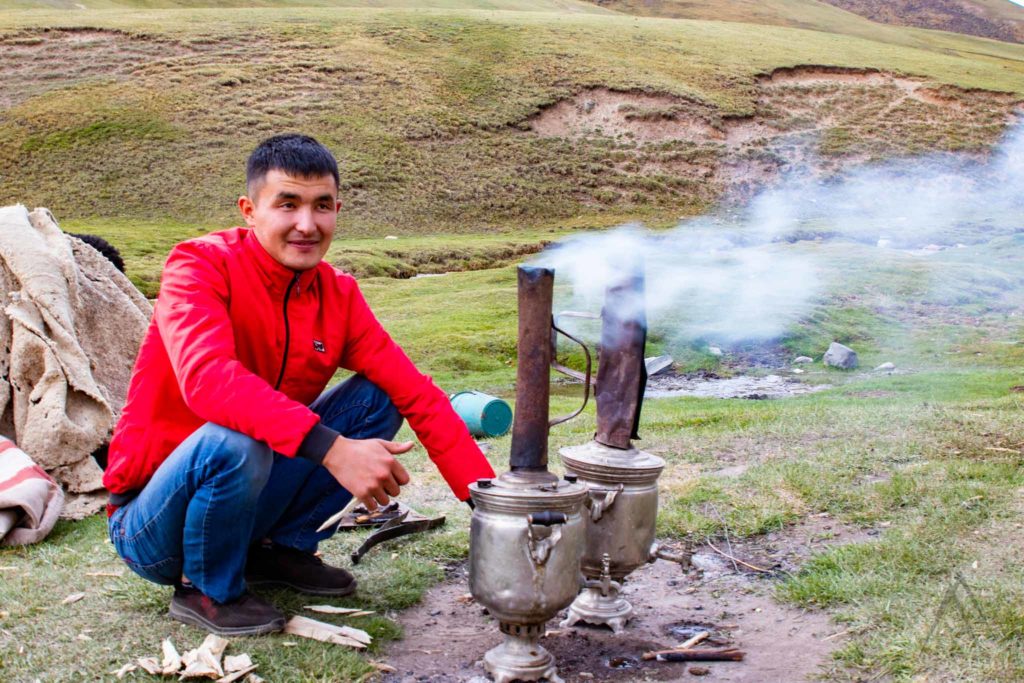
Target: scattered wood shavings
x=233, y=663
x=73, y=598
x=331, y=609
x=232, y=677
x=327, y=633
x=172, y=660
x=124, y=670
x=150, y=665
x=204, y=661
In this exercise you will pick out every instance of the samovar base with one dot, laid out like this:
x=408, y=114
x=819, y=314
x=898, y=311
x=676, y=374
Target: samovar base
x=521, y=657
x=592, y=606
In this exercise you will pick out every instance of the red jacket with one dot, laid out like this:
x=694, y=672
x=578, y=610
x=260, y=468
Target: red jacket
x=240, y=340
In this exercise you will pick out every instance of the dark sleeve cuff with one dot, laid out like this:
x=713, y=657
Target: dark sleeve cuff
x=317, y=442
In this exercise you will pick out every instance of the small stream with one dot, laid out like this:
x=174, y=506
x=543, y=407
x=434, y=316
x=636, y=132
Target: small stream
x=764, y=387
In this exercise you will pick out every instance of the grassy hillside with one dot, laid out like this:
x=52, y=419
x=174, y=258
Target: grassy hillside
x=998, y=19
x=511, y=5
x=150, y=114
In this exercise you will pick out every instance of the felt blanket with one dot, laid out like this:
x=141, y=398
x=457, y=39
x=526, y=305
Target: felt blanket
x=30, y=500
x=70, y=330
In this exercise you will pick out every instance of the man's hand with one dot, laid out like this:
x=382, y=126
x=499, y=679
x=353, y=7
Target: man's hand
x=368, y=469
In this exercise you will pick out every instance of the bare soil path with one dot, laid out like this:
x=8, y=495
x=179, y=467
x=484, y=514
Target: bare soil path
x=447, y=634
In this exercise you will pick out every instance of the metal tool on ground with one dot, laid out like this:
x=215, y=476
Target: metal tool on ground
x=394, y=521
x=527, y=531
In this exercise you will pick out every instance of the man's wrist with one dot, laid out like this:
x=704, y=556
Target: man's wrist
x=318, y=441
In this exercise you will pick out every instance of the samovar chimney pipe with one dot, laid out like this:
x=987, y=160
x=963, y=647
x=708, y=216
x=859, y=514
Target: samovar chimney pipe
x=529, y=450
x=621, y=373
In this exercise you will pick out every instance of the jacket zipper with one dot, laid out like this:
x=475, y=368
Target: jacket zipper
x=287, y=330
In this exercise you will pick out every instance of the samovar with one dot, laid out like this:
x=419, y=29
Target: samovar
x=622, y=481
x=527, y=532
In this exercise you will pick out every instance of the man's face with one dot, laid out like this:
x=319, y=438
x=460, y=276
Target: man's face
x=293, y=218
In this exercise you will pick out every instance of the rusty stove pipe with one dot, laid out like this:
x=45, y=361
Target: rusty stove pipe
x=621, y=375
x=529, y=450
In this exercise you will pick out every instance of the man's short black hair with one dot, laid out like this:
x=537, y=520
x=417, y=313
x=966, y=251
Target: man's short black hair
x=295, y=154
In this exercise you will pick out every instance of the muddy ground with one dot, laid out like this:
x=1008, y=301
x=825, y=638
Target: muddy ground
x=447, y=635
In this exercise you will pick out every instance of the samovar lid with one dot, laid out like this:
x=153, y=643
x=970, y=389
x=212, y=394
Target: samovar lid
x=595, y=460
x=511, y=493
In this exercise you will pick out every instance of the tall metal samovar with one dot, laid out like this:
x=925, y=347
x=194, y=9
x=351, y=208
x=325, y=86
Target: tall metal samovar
x=527, y=532
x=622, y=482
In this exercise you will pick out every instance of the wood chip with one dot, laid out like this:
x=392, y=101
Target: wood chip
x=172, y=660
x=384, y=668
x=82, y=637
x=73, y=598
x=253, y=678
x=327, y=633
x=331, y=609
x=150, y=665
x=465, y=599
x=8, y=569
x=124, y=670
x=111, y=574
x=232, y=677
x=693, y=641
x=215, y=645
x=233, y=663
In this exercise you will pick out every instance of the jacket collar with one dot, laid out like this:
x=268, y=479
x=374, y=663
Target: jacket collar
x=276, y=275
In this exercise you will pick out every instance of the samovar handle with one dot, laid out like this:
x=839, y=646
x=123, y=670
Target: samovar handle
x=540, y=549
x=558, y=366
x=599, y=507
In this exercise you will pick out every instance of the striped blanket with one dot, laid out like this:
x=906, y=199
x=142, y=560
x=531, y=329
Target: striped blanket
x=30, y=500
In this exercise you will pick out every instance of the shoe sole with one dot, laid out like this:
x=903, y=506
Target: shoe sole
x=308, y=590
x=187, y=616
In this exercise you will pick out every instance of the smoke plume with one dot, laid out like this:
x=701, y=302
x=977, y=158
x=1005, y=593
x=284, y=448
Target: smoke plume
x=749, y=273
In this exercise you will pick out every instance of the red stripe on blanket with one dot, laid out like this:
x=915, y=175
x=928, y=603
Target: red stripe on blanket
x=6, y=444
x=24, y=474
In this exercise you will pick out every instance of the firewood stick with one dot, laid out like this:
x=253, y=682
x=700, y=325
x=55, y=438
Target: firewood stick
x=692, y=641
x=726, y=654
x=736, y=559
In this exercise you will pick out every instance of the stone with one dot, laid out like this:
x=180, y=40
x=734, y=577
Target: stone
x=839, y=356
x=800, y=360
x=715, y=351
x=885, y=367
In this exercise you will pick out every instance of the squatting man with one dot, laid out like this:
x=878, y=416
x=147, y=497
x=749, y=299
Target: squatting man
x=230, y=454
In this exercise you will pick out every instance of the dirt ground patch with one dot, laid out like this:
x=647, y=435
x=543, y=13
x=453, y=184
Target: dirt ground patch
x=446, y=635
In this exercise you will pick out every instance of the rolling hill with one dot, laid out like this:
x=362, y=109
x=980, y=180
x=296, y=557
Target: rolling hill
x=473, y=116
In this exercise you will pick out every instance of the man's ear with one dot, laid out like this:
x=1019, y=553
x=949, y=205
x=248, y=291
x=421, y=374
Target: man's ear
x=337, y=206
x=247, y=207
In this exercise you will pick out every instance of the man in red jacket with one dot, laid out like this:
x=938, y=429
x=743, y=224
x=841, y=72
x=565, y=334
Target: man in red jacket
x=229, y=454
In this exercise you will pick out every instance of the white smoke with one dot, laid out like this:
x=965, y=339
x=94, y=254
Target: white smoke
x=751, y=274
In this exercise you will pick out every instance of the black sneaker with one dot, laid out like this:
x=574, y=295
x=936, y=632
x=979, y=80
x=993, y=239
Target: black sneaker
x=246, y=616
x=284, y=566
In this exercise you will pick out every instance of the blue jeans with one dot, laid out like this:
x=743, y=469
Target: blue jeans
x=220, y=491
